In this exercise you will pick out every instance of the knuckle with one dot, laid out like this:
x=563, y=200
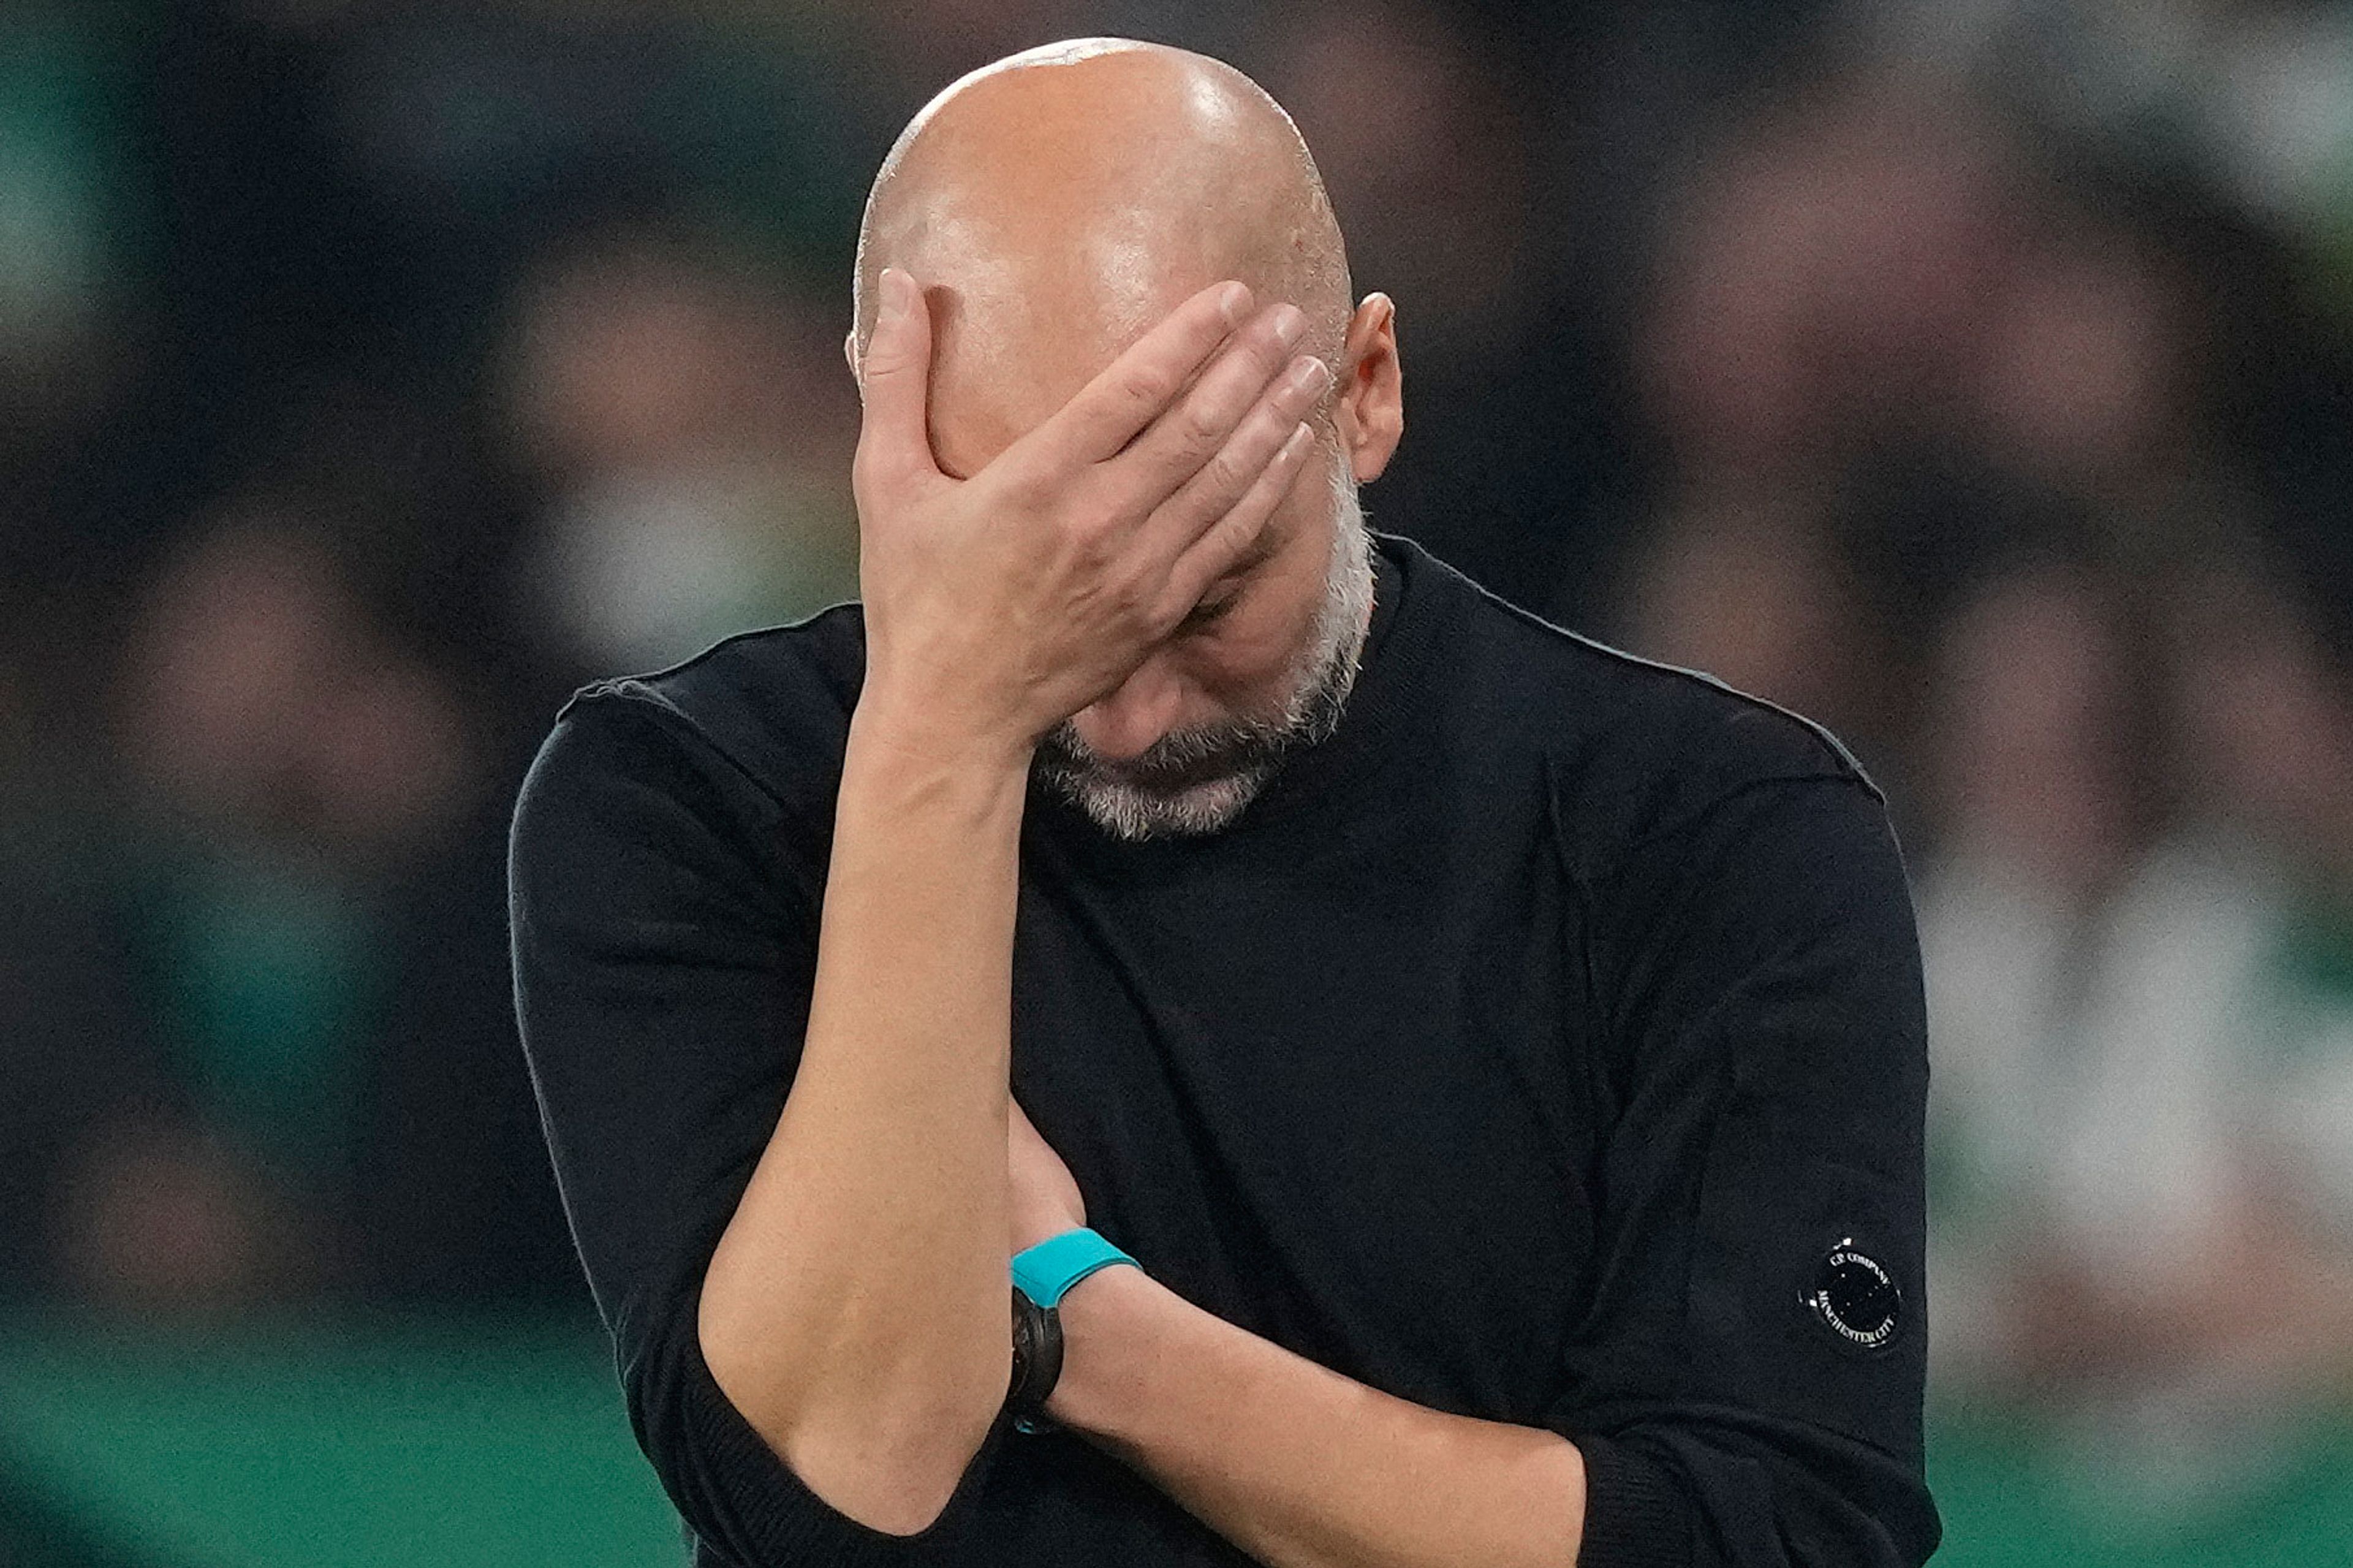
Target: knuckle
x=1093, y=547
x=1135, y=589
x=1089, y=518
x=1145, y=622
x=1091, y=532
x=1231, y=532
x=1225, y=474
x=1112, y=506
x=886, y=359
x=1210, y=543
x=1145, y=387
x=1025, y=487
x=1169, y=608
x=1200, y=429
x=1125, y=608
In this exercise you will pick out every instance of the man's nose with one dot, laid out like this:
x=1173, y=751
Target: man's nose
x=1148, y=705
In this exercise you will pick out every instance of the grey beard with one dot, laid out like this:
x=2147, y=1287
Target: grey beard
x=1196, y=780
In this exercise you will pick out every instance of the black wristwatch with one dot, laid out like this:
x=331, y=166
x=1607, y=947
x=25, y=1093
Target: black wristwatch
x=1037, y=1362
x=1042, y=1276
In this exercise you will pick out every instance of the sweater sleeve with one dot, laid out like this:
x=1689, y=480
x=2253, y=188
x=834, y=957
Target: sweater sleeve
x=664, y=916
x=1746, y=1388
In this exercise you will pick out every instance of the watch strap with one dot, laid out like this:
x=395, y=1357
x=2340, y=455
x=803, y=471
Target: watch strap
x=1037, y=1362
x=1046, y=1272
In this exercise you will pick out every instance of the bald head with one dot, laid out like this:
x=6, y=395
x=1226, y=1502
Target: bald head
x=1056, y=205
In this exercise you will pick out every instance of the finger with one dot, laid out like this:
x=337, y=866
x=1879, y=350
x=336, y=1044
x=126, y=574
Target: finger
x=1194, y=429
x=894, y=440
x=1231, y=538
x=1107, y=413
x=1218, y=485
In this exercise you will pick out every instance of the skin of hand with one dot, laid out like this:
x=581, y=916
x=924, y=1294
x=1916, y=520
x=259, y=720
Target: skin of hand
x=998, y=606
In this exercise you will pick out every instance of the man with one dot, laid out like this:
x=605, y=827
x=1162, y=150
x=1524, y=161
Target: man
x=1502, y=1057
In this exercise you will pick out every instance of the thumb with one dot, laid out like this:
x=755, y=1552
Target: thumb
x=894, y=443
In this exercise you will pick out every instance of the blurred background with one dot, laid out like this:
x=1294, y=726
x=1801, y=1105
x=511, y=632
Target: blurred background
x=1973, y=376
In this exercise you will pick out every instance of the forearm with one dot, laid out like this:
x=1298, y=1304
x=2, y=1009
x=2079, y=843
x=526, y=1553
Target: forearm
x=1298, y=1466
x=855, y=1310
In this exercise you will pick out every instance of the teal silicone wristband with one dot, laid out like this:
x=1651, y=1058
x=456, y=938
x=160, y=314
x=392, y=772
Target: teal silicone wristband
x=1047, y=1271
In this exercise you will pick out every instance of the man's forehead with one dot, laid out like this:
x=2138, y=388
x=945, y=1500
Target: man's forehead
x=1008, y=351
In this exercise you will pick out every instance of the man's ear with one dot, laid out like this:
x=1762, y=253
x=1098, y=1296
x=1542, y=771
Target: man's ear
x=1369, y=412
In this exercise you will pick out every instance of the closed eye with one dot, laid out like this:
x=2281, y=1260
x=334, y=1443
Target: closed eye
x=1230, y=587
x=1209, y=611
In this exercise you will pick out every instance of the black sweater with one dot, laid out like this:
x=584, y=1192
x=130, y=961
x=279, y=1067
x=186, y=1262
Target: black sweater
x=1526, y=1051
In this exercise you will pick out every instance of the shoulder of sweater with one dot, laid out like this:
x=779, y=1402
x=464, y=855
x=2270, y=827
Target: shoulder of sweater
x=773, y=704
x=1633, y=745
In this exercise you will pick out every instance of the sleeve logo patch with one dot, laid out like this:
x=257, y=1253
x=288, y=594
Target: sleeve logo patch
x=1855, y=1298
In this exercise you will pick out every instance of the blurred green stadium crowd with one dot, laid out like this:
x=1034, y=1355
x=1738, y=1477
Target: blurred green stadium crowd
x=1975, y=379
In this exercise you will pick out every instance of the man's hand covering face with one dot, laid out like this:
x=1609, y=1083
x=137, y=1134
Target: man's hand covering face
x=1000, y=605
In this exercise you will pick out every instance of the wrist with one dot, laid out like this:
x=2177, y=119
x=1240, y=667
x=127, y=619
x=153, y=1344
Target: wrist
x=1116, y=1326
x=899, y=733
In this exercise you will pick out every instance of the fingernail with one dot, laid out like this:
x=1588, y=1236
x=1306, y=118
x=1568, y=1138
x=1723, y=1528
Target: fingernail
x=896, y=287
x=1290, y=324
x=1309, y=377
x=1234, y=303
